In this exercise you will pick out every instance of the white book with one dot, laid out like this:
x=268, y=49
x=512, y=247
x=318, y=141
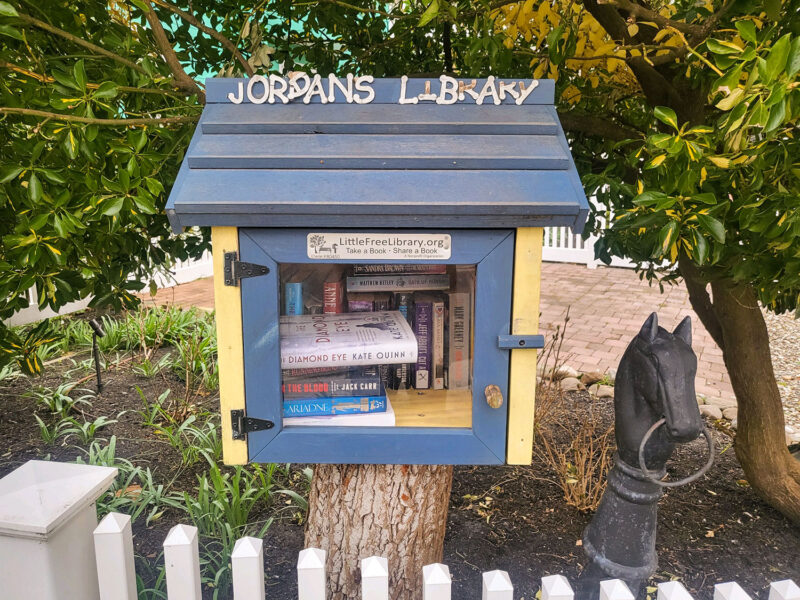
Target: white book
x=379, y=419
x=347, y=339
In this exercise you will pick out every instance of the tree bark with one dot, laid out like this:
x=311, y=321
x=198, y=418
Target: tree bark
x=735, y=319
x=395, y=511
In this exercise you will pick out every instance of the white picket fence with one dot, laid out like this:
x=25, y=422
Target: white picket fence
x=561, y=245
x=117, y=580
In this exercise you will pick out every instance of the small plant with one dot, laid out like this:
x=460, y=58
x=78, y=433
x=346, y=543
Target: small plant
x=154, y=413
x=9, y=373
x=87, y=430
x=51, y=433
x=58, y=401
x=148, y=368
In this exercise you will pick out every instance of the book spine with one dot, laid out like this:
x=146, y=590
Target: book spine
x=459, y=339
x=385, y=371
x=368, y=384
x=333, y=297
x=293, y=298
x=398, y=269
x=346, y=405
x=402, y=373
x=316, y=371
x=356, y=305
x=437, y=354
x=423, y=316
x=397, y=283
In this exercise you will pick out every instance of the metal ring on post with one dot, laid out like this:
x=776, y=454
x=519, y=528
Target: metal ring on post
x=685, y=480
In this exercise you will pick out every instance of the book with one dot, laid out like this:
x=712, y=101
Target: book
x=359, y=381
x=402, y=374
x=373, y=419
x=437, y=345
x=423, y=317
x=313, y=371
x=398, y=269
x=347, y=339
x=459, y=340
x=344, y=405
x=398, y=283
x=333, y=297
x=293, y=299
x=367, y=302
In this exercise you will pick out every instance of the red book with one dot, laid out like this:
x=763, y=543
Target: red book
x=333, y=297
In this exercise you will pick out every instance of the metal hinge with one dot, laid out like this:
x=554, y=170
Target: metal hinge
x=236, y=269
x=516, y=342
x=242, y=425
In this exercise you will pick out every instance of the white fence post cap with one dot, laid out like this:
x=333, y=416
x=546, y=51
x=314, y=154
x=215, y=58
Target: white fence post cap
x=497, y=586
x=784, y=590
x=436, y=573
x=374, y=566
x=247, y=547
x=673, y=590
x=113, y=523
x=556, y=587
x=614, y=589
x=730, y=591
x=311, y=558
x=41, y=495
x=180, y=535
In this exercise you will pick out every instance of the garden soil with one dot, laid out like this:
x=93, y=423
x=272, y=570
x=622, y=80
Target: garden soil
x=510, y=518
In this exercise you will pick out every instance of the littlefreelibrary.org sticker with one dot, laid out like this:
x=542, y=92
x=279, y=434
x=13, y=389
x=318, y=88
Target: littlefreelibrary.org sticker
x=379, y=246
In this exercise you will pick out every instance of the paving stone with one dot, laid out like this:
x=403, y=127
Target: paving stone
x=592, y=377
x=605, y=391
x=722, y=403
x=711, y=411
x=571, y=384
x=730, y=413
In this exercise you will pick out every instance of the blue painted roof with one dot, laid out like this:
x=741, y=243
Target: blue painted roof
x=381, y=164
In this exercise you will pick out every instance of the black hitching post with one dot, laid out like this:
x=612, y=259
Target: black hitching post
x=97, y=331
x=655, y=409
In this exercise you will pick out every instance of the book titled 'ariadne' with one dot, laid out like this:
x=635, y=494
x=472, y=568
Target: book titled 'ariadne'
x=346, y=405
x=347, y=339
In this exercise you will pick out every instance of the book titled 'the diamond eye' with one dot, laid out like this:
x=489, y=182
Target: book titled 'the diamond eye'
x=347, y=339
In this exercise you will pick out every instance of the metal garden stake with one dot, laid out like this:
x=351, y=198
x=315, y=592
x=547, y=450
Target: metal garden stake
x=655, y=409
x=97, y=331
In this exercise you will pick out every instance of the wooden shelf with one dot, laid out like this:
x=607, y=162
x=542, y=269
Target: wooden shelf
x=432, y=408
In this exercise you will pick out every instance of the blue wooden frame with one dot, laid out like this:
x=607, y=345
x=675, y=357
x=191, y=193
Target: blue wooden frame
x=485, y=443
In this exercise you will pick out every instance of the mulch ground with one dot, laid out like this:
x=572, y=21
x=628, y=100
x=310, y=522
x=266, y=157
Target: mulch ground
x=509, y=518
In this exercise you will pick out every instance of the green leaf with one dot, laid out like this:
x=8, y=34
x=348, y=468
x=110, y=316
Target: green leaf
x=776, y=61
x=154, y=186
x=793, y=63
x=139, y=139
x=71, y=144
x=8, y=173
x=776, y=116
x=731, y=100
x=52, y=176
x=6, y=10
x=79, y=72
x=713, y=227
x=667, y=236
x=747, y=30
x=722, y=47
x=34, y=188
x=107, y=89
x=113, y=206
x=705, y=198
x=430, y=13
x=700, y=247
x=10, y=32
x=666, y=115
x=65, y=79
x=649, y=198
x=773, y=8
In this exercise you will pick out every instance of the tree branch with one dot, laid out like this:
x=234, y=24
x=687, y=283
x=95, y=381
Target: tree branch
x=700, y=299
x=226, y=43
x=94, y=121
x=80, y=42
x=639, y=11
x=182, y=80
x=597, y=126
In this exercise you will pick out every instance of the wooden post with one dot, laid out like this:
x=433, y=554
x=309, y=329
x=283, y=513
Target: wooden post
x=730, y=591
x=375, y=578
x=182, y=562
x=556, y=587
x=247, y=562
x=113, y=550
x=436, y=582
x=311, y=574
x=497, y=586
x=784, y=590
x=615, y=589
x=672, y=590
x=396, y=511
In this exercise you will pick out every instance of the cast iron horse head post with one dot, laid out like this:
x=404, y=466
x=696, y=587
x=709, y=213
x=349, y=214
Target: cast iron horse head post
x=656, y=408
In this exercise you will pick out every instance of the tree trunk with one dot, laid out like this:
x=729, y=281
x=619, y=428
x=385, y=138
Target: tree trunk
x=734, y=319
x=395, y=511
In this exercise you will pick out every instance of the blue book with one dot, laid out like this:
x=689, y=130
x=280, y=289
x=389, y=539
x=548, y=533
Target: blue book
x=293, y=298
x=345, y=405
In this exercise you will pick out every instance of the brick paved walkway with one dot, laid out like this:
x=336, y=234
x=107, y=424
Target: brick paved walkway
x=607, y=308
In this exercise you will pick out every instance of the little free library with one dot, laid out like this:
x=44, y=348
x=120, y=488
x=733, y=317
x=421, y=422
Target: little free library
x=377, y=251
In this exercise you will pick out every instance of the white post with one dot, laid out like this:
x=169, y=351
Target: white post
x=614, y=589
x=311, y=574
x=247, y=562
x=556, y=587
x=784, y=590
x=436, y=582
x=497, y=586
x=182, y=562
x=113, y=550
x=374, y=578
x=673, y=590
x=730, y=591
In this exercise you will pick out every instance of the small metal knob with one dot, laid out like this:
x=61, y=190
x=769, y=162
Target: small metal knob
x=494, y=397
